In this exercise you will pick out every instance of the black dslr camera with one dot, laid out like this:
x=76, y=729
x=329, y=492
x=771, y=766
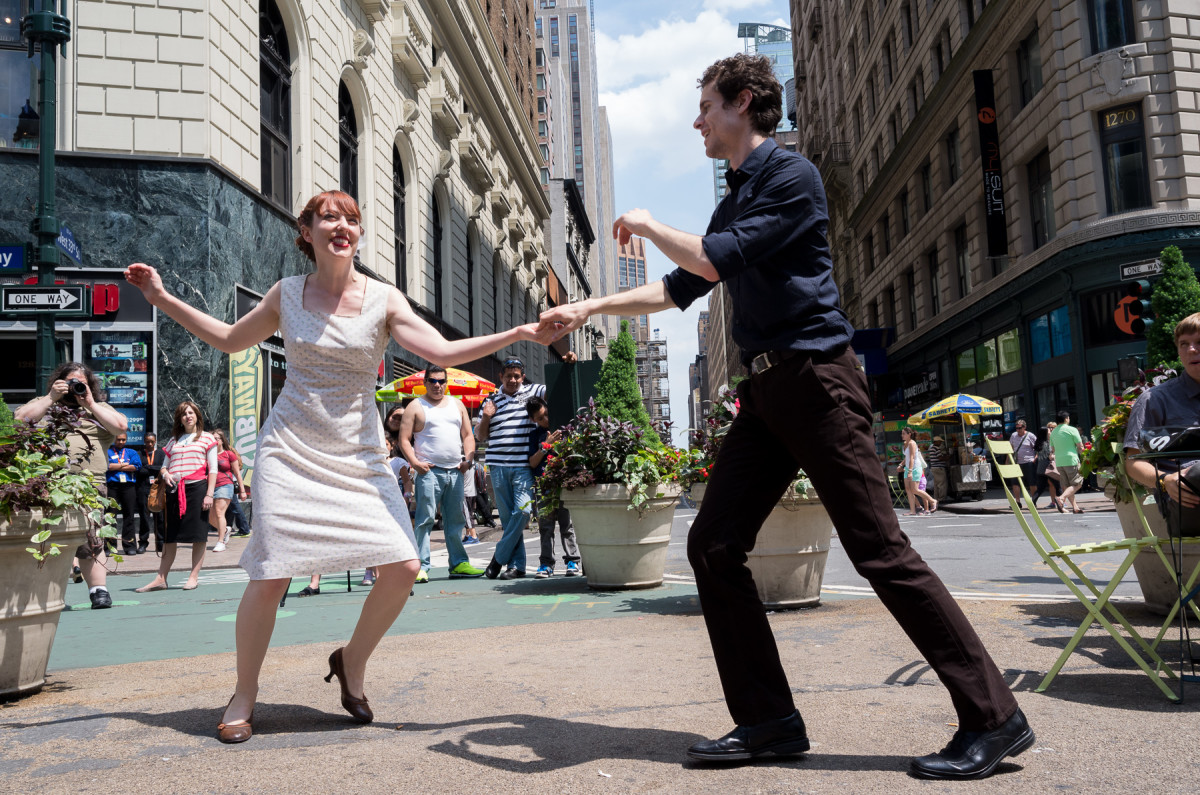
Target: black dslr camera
x=76, y=387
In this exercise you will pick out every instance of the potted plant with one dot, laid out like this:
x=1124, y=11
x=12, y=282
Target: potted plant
x=789, y=555
x=47, y=504
x=619, y=491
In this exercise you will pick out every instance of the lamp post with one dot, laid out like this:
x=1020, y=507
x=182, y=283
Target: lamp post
x=46, y=30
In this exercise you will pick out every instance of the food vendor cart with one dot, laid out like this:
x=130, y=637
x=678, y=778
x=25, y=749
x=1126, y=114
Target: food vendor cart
x=969, y=474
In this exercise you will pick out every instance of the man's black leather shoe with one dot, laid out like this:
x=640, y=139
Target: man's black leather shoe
x=493, y=570
x=101, y=600
x=976, y=754
x=781, y=737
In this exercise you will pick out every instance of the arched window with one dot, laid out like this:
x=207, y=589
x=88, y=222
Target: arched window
x=472, y=242
x=347, y=141
x=275, y=93
x=438, y=237
x=399, y=224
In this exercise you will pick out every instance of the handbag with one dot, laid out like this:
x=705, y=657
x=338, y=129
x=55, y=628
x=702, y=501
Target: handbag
x=157, y=499
x=1052, y=470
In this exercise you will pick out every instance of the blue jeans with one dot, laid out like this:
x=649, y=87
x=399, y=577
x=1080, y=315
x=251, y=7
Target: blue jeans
x=514, y=504
x=440, y=488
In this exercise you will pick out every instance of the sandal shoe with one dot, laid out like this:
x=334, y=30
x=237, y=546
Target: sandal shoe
x=191, y=587
x=238, y=732
x=308, y=590
x=358, y=708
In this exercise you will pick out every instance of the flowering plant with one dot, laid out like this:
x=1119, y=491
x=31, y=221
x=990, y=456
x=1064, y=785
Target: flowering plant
x=37, y=473
x=1099, y=455
x=596, y=449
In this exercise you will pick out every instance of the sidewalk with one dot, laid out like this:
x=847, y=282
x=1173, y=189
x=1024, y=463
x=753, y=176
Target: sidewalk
x=994, y=501
x=606, y=705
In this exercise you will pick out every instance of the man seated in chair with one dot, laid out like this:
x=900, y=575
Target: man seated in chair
x=1171, y=404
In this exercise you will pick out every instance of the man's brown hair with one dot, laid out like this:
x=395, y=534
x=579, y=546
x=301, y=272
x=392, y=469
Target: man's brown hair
x=1189, y=325
x=737, y=73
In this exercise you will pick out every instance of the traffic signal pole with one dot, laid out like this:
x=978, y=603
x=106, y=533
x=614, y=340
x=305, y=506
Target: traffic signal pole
x=46, y=31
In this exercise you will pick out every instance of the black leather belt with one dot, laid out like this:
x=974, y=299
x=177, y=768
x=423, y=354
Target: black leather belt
x=765, y=361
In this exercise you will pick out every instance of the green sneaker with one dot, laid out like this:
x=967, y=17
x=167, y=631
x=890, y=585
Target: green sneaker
x=422, y=576
x=464, y=570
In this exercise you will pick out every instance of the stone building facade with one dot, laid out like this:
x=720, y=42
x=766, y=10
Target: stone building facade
x=192, y=132
x=1000, y=252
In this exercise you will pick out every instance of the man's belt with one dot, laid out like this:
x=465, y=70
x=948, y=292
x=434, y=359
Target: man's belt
x=765, y=361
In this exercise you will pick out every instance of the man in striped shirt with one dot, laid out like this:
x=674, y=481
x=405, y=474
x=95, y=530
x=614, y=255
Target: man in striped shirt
x=504, y=426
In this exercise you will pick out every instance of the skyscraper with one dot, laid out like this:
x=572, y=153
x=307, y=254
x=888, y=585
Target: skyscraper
x=564, y=32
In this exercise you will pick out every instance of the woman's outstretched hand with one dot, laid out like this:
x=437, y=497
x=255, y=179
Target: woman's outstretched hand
x=541, y=333
x=146, y=279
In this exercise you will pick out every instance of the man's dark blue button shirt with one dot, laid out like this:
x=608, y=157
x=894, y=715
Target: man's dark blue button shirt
x=767, y=243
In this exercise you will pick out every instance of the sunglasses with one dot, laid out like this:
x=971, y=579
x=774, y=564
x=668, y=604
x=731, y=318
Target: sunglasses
x=513, y=363
x=435, y=381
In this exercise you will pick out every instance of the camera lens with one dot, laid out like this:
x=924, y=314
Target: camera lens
x=77, y=387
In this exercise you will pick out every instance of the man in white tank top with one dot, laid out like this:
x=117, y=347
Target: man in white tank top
x=435, y=437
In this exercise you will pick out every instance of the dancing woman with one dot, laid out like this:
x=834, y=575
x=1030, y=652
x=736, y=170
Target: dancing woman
x=325, y=497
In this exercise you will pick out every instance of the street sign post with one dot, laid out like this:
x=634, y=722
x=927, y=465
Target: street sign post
x=46, y=32
x=67, y=244
x=70, y=300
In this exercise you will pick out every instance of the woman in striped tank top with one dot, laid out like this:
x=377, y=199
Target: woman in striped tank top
x=190, y=474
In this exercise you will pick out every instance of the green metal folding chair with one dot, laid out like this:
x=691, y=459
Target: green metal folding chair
x=1097, y=601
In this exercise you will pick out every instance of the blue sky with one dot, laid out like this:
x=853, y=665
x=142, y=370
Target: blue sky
x=649, y=55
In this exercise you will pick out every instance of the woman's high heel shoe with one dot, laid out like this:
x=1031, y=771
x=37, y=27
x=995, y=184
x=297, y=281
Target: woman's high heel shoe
x=358, y=708
x=238, y=733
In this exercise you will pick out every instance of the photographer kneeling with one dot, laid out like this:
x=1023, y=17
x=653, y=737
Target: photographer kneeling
x=75, y=385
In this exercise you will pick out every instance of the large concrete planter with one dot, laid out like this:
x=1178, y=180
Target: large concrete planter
x=31, y=599
x=620, y=549
x=789, y=556
x=1159, y=591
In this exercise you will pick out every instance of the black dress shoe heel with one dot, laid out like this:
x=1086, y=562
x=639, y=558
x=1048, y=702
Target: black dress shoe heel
x=975, y=754
x=781, y=737
x=358, y=708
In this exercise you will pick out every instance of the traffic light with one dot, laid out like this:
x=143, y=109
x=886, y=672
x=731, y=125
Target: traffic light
x=1141, y=316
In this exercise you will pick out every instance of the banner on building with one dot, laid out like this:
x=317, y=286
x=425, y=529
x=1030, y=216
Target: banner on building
x=989, y=149
x=245, y=383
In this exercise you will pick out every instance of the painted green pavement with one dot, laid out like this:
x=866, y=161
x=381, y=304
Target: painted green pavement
x=176, y=623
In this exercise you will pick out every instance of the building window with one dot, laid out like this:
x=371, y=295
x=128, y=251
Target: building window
x=935, y=283
x=894, y=128
x=399, y=221
x=906, y=25
x=1041, y=199
x=869, y=253
x=887, y=64
x=962, y=260
x=857, y=125
x=1050, y=335
x=554, y=51
x=889, y=306
x=347, y=142
x=916, y=95
x=953, y=161
x=275, y=95
x=910, y=298
x=537, y=26
x=905, y=219
x=1112, y=24
x=1029, y=67
x=437, y=238
x=969, y=14
x=885, y=233
x=927, y=187
x=1123, y=146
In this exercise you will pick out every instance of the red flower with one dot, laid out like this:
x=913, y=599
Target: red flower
x=546, y=445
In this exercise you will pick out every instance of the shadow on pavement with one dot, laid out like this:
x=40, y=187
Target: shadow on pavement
x=666, y=600
x=554, y=742
x=268, y=719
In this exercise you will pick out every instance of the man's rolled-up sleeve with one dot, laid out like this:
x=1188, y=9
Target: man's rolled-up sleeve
x=685, y=287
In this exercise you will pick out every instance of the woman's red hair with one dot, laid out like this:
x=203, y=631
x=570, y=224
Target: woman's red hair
x=343, y=202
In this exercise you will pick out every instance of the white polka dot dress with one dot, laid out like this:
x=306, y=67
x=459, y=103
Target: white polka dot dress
x=325, y=498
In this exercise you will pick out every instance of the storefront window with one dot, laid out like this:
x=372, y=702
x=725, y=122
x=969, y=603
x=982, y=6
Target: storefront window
x=1060, y=331
x=1008, y=348
x=121, y=360
x=966, y=368
x=1054, y=398
x=985, y=360
x=1050, y=335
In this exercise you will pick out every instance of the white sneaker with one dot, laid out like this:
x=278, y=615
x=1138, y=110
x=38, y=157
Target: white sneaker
x=220, y=547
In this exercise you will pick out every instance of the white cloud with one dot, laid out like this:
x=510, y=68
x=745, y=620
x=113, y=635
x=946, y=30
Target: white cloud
x=733, y=5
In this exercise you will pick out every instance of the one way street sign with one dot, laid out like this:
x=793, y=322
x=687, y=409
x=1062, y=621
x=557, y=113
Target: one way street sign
x=34, y=299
